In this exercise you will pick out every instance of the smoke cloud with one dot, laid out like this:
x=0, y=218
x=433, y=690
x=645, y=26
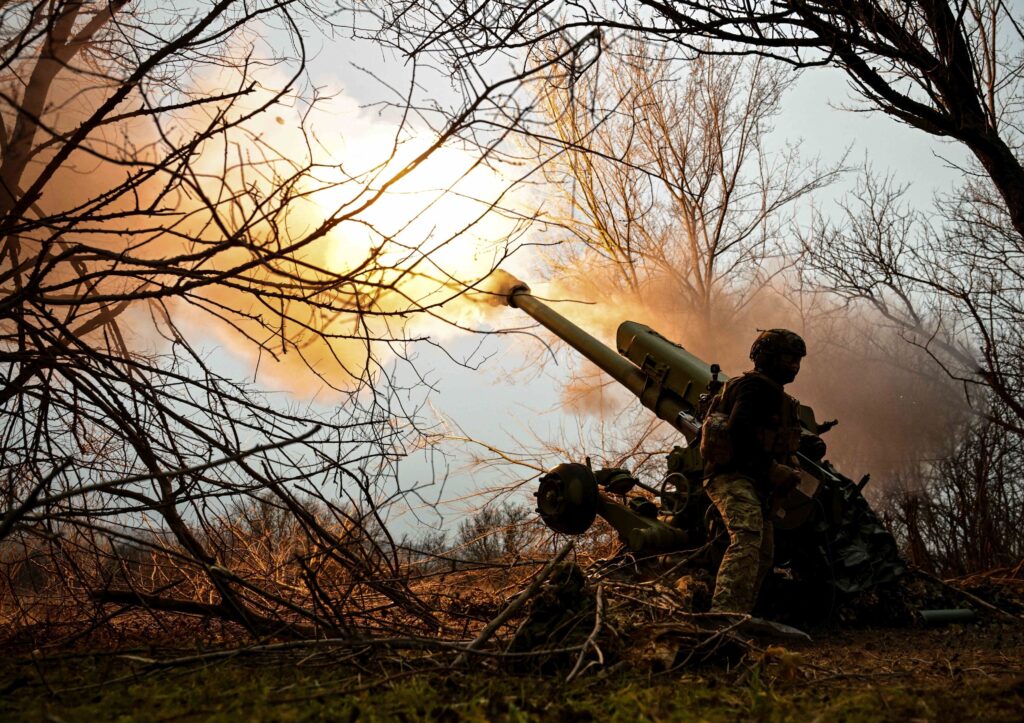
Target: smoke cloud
x=427, y=241
x=895, y=407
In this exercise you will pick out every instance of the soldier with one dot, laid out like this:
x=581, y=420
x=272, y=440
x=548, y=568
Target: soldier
x=749, y=438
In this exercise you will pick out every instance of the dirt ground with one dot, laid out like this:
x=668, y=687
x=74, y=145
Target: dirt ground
x=142, y=667
x=970, y=672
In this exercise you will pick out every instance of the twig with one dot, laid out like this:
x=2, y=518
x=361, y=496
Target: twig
x=518, y=602
x=862, y=676
x=592, y=638
x=689, y=558
x=363, y=644
x=972, y=598
x=17, y=511
x=707, y=647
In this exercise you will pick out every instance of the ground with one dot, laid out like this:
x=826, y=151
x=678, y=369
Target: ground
x=973, y=672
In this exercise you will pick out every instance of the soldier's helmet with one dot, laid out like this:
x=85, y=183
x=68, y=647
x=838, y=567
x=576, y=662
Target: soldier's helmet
x=770, y=343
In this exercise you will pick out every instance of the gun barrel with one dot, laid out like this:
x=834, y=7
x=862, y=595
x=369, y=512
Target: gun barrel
x=668, y=406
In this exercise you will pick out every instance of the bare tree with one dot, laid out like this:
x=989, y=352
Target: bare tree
x=951, y=69
x=951, y=289
x=668, y=179
x=147, y=208
x=962, y=513
x=497, y=532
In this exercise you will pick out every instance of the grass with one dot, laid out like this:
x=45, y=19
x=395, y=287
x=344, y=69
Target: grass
x=108, y=687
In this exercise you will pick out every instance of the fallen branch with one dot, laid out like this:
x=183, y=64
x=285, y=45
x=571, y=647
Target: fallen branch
x=970, y=597
x=327, y=645
x=264, y=625
x=708, y=646
x=514, y=606
x=591, y=639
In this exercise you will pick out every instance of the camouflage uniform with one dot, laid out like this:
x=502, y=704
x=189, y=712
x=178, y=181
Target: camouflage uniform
x=751, y=550
x=762, y=432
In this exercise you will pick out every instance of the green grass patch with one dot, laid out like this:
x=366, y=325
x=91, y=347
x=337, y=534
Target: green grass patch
x=111, y=688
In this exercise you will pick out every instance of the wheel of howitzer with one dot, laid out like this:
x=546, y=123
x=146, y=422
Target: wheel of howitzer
x=567, y=498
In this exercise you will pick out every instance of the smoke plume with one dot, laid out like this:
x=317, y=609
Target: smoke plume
x=366, y=262
x=894, y=406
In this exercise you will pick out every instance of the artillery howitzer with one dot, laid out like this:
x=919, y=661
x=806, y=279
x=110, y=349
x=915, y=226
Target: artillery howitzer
x=826, y=534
